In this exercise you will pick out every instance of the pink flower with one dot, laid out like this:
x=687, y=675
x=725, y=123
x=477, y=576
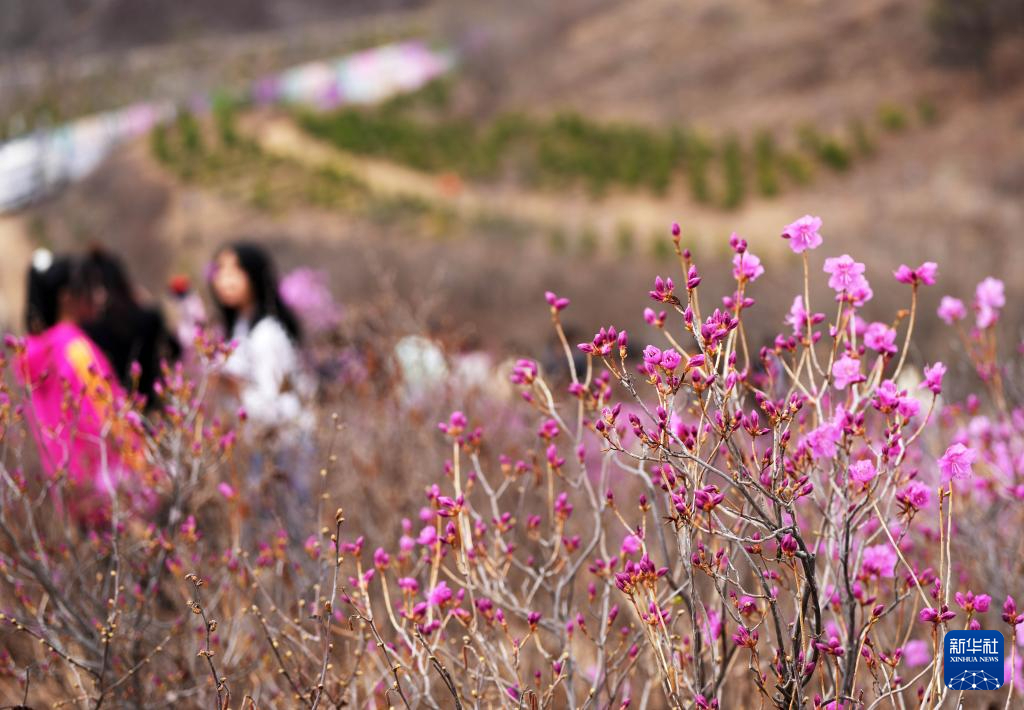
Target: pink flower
x=924, y=274
x=1013, y=668
x=951, y=310
x=655, y=319
x=989, y=297
x=880, y=338
x=707, y=498
x=822, y=441
x=917, y=653
x=440, y=594
x=631, y=545
x=556, y=303
x=307, y=292
x=990, y=293
x=933, y=377
x=1010, y=615
x=879, y=561
x=916, y=495
x=845, y=371
x=956, y=462
x=427, y=536
x=226, y=490
x=862, y=472
x=803, y=234
x=746, y=266
x=936, y=616
x=860, y=294
x=662, y=290
x=972, y=602
x=887, y=396
x=846, y=274
x=797, y=317
x=670, y=359
x=908, y=407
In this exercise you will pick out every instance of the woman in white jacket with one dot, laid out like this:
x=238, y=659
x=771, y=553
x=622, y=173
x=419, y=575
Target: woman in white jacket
x=265, y=368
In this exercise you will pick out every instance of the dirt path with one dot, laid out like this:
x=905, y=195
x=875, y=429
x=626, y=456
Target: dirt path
x=646, y=216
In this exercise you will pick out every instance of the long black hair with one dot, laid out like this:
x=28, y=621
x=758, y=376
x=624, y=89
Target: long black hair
x=125, y=329
x=258, y=266
x=49, y=278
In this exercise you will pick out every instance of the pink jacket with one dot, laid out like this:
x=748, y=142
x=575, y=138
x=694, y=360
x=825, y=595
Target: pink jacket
x=77, y=418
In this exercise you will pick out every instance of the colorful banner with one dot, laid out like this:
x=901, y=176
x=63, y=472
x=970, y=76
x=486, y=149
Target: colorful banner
x=33, y=165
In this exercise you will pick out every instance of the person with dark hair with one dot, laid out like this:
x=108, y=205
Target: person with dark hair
x=265, y=366
x=127, y=331
x=76, y=411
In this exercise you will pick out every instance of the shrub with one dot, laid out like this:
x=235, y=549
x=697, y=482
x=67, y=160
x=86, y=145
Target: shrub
x=892, y=118
x=834, y=154
x=720, y=523
x=188, y=131
x=733, y=169
x=927, y=111
x=697, y=156
x=766, y=164
x=797, y=168
x=588, y=242
x=625, y=240
x=861, y=138
x=158, y=142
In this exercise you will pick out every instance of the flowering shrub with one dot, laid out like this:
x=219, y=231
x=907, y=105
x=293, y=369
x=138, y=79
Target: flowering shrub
x=700, y=523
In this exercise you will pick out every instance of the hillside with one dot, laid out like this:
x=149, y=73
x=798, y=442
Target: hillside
x=940, y=189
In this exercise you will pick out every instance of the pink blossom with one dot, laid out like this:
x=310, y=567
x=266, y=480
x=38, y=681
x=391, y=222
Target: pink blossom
x=990, y=292
x=803, y=234
x=846, y=274
x=860, y=294
x=798, y=316
x=917, y=653
x=713, y=624
x=972, y=602
x=226, y=490
x=887, y=396
x=951, y=310
x=670, y=359
x=956, y=462
x=924, y=274
x=880, y=338
x=655, y=319
x=822, y=441
x=989, y=297
x=746, y=266
x=862, y=472
x=307, y=292
x=879, y=560
x=440, y=594
x=427, y=536
x=557, y=303
x=631, y=545
x=908, y=407
x=933, y=377
x=845, y=371
x=1013, y=669
x=917, y=495
x=936, y=616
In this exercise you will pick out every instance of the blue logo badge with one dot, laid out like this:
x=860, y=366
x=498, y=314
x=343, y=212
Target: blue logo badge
x=972, y=660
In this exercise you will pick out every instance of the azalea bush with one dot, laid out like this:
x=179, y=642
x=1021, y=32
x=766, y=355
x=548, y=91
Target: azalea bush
x=678, y=519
